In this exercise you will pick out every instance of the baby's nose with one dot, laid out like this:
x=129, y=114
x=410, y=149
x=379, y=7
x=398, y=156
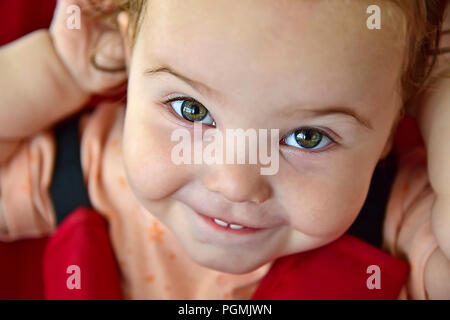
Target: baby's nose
x=238, y=183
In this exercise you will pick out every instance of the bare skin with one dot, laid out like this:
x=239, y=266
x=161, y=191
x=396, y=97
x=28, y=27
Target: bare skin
x=433, y=115
x=58, y=73
x=266, y=71
x=260, y=67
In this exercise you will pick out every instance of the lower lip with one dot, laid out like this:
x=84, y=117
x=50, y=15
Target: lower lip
x=244, y=230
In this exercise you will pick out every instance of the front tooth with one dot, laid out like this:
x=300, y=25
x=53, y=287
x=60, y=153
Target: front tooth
x=235, y=226
x=221, y=223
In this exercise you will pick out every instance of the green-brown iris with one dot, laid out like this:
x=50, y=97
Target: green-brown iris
x=308, y=138
x=193, y=110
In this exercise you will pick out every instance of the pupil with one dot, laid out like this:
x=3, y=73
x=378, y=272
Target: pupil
x=193, y=111
x=308, y=138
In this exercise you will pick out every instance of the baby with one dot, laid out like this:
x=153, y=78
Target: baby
x=313, y=70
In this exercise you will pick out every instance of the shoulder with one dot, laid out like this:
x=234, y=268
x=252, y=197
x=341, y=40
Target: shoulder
x=101, y=159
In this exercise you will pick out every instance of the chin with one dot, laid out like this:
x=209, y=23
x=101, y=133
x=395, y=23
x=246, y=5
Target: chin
x=233, y=268
x=225, y=264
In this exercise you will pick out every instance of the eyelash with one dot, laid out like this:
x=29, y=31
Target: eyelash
x=306, y=150
x=167, y=104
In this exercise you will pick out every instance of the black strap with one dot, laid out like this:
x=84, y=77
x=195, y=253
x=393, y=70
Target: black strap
x=67, y=189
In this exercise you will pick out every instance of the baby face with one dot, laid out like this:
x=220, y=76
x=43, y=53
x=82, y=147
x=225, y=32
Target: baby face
x=311, y=69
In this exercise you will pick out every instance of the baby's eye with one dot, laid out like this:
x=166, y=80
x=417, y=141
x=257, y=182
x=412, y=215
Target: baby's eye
x=308, y=138
x=192, y=110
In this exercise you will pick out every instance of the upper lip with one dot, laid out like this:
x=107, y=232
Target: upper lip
x=234, y=221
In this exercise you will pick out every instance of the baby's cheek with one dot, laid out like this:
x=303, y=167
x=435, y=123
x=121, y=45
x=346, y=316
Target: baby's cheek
x=147, y=158
x=327, y=209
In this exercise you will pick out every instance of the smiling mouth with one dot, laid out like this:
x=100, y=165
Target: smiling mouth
x=225, y=226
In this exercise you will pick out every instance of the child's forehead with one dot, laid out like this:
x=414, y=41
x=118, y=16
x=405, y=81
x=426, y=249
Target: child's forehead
x=280, y=18
x=247, y=39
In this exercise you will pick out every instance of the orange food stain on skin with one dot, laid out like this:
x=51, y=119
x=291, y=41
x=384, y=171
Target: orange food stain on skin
x=150, y=278
x=226, y=295
x=115, y=143
x=155, y=232
x=122, y=182
x=171, y=256
x=26, y=187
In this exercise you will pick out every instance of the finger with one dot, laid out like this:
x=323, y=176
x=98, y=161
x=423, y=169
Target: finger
x=440, y=220
x=414, y=219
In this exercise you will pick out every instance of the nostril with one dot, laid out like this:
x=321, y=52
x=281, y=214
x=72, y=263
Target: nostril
x=262, y=195
x=240, y=190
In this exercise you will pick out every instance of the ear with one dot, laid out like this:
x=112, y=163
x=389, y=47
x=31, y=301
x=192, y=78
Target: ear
x=123, y=21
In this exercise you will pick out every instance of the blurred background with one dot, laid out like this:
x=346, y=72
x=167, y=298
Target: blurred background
x=19, y=17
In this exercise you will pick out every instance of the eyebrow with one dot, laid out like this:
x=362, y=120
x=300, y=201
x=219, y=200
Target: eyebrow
x=196, y=85
x=208, y=91
x=341, y=110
